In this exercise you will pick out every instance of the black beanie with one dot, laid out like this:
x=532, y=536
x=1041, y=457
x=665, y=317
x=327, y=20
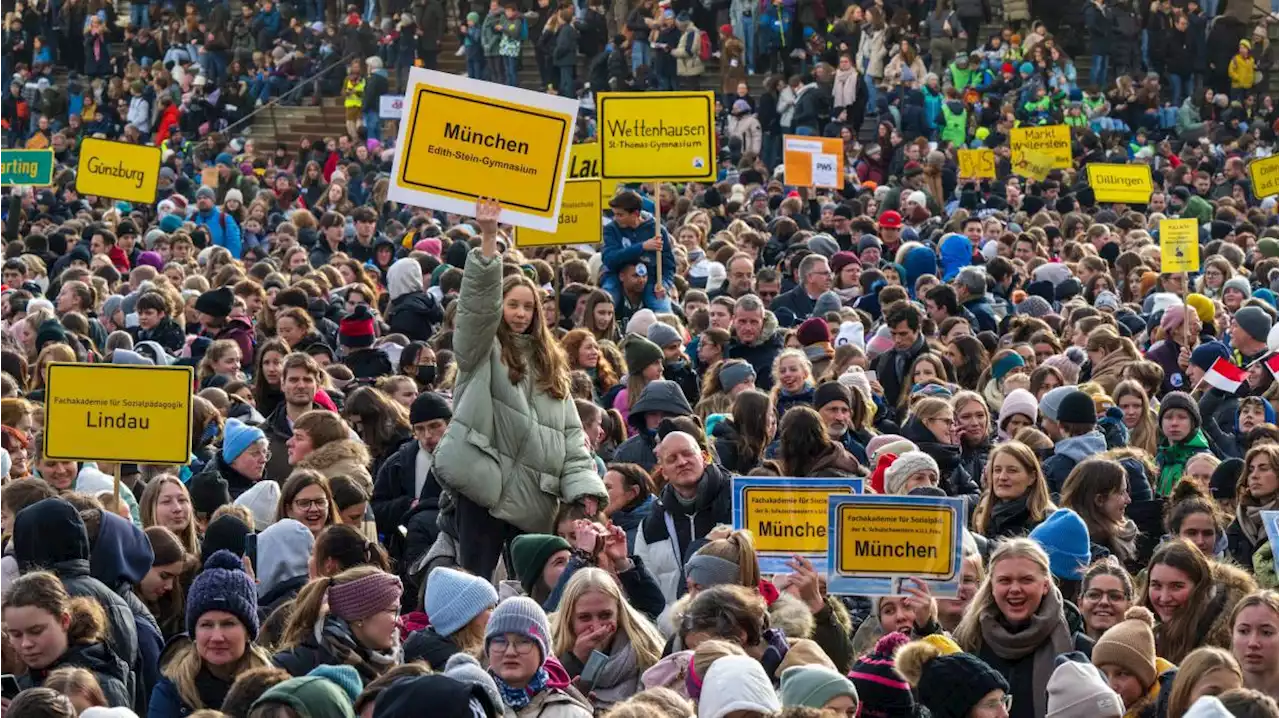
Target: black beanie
x=208, y=491
x=830, y=391
x=1077, y=408
x=429, y=406
x=1225, y=479
x=227, y=532
x=1181, y=400
x=952, y=685
x=215, y=302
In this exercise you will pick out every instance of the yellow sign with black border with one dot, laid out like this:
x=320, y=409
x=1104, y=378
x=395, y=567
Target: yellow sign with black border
x=657, y=136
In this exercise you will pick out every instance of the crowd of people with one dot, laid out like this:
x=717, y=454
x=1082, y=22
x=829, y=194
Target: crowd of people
x=433, y=472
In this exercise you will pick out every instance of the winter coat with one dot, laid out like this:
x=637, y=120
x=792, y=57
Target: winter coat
x=1109, y=371
x=663, y=547
x=625, y=245
x=394, y=496
x=344, y=457
x=278, y=431
x=240, y=331
x=733, y=68
x=664, y=397
x=1165, y=353
x=637, y=584
x=891, y=379
x=106, y=666
x=167, y=703
x=761, y=352
x=1231, y=583
x=428, y=645
x=1067, y=453
x=412, y=311
x=49, y=535
x=166, y=333
x=953, y=477
x=747, y=129
x=332, y=644
x=565, y=50
x=845, y=90
x=510, y=448
x=872, y=52
x=688, y=53
x=224, y=231
x=629, y=519
x=120, y=559
x=1098, y=24
x=554, y=703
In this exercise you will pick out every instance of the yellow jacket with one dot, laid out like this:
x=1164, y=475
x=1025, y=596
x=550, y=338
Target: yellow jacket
x=1152, y=698
x=353, y=92
x=1241, y=72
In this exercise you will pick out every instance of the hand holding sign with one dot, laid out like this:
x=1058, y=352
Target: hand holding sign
x=487, y=213
x=920, y=601
x=804, y=577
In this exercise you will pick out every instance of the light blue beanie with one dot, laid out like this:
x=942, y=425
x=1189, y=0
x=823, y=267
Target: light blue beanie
x=238, y=436
x=453, y=598
x=1065, y=538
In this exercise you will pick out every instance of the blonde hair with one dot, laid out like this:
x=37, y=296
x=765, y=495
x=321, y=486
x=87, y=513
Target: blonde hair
x=217, y=351
x=147, y=509
x=312, y=604
x=645, y=639
x=1039, y=504
x=969, y=633
x=1198, y=664
x=1144, y=435
x=81, y=681
x=183, y=668
x=739, y=548
x=709, y=652
x=798, y=355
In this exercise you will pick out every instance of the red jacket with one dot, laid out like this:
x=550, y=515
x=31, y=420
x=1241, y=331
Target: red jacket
x=119, y=259
x=168, y=119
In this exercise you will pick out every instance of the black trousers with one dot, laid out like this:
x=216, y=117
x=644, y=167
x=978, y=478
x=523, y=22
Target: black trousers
x=482, y=539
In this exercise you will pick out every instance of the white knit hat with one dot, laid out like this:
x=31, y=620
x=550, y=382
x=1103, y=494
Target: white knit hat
x=261, y=500
x=1077, y=690
x=904, y=467
x=736, y=683
x=1018, y=401
x=1206, y=707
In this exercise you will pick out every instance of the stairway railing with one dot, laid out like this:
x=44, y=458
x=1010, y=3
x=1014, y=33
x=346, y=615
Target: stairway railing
x=271, y=105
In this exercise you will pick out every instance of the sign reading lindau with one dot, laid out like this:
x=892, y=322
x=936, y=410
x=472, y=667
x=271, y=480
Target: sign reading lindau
x=657, y=136
x=580, y=218
x=118, y=170
x=462, y=139
x=877, y=541
x=111, y=412
x=787, y=516
x=33, y=168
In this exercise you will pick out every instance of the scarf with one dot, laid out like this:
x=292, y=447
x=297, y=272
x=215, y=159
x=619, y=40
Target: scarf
x=1250, y=519
x=900, y=356
x=620, y=677
x=1172, y=459
x=335, y=634
x=1005, y=514
x=1043, y=638
x=1124, y=541
x=519, y=698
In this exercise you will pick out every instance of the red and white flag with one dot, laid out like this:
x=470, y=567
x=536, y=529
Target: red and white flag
x=1225, y=375
x=1273, y=363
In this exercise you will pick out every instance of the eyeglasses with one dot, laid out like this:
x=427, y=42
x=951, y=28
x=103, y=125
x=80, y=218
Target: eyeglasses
x=499, y=644
x=304, y=504
x=1005, y=702
x=1095, y=594
x=948, y=420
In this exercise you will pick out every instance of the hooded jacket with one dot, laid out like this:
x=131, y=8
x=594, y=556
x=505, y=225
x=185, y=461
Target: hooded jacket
x=284, y=550
x=50, y=535
x=240, y=331
x=673, y=531
x=625, y=245
x=953, y=478
x=659, y=396
x=344, y=457
x=511, y=448
x=120, y=559
x=1069, y=452
x=412, y=311
x=110, y=671
x=956, y=253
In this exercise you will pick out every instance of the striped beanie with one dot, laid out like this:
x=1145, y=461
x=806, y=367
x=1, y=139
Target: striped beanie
x=882, y=691
x=364, y=597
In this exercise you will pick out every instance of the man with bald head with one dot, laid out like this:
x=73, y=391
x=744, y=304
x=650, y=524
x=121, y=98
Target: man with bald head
x=695, y=499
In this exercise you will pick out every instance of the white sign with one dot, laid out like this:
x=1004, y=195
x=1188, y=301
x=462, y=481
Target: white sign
x=391, y=107
x=824, y=172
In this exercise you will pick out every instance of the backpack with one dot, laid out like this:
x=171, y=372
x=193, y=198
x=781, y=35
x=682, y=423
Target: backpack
x=704, y=49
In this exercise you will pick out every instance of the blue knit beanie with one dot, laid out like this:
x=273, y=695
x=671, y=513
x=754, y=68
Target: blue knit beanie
x=223, y=586
x=170, y=223
x=238, y=436
x=1065, y=538
x=1207, y=353
x=453, y=598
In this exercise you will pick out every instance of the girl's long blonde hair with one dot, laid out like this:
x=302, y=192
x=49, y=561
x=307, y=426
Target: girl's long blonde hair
x=183, y=668
x=645, y=639
x=1198, y=663
x=1039, y=504
x=550, y=365
x=189, y=537
x=1144, y=434
x=969, y=633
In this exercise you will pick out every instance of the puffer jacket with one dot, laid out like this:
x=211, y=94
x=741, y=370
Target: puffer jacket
x=510, y=448
x=344, y=457
x=664, y=546
x=49, y=535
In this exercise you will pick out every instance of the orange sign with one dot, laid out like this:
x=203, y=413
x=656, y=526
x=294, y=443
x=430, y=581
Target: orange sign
x=813, y=161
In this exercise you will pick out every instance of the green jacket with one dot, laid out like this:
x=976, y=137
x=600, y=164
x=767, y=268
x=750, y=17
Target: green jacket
x=491, y=34
x=1172, y=459
x=510, y=448
x=1198, y=208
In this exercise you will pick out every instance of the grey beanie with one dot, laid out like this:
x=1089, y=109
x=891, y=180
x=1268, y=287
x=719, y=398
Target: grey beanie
x=828, y=301
x=734, y=374
x=903, y=467
x=1052, y=401
x=1240, y=284
x=823, y=244
x=1034, y=306
x=112, y=305
x=663, y=334
x=206, y=191
x=1255, y=322
x=464, y=668
x=522, y=616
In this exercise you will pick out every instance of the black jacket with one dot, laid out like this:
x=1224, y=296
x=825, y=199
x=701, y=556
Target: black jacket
x=393, y=497
x=953, y=477
x=106, y=666
x=427, y=645
x=336, y=646
x=888, y=374
x=713, y=506
x=725, y=439
x=415, y=315
x=797, y=301
x=50, y=535
x=167, y=334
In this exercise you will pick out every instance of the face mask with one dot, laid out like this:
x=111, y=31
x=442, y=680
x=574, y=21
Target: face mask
x=426, y=374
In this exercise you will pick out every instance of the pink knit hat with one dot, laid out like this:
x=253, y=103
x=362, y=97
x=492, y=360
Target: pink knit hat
x=430, y=245
x=364, y=597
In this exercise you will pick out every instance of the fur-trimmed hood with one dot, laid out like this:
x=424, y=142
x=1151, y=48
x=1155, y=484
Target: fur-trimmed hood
x=1232, y=584
x=344, y=457
x=788, y=614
